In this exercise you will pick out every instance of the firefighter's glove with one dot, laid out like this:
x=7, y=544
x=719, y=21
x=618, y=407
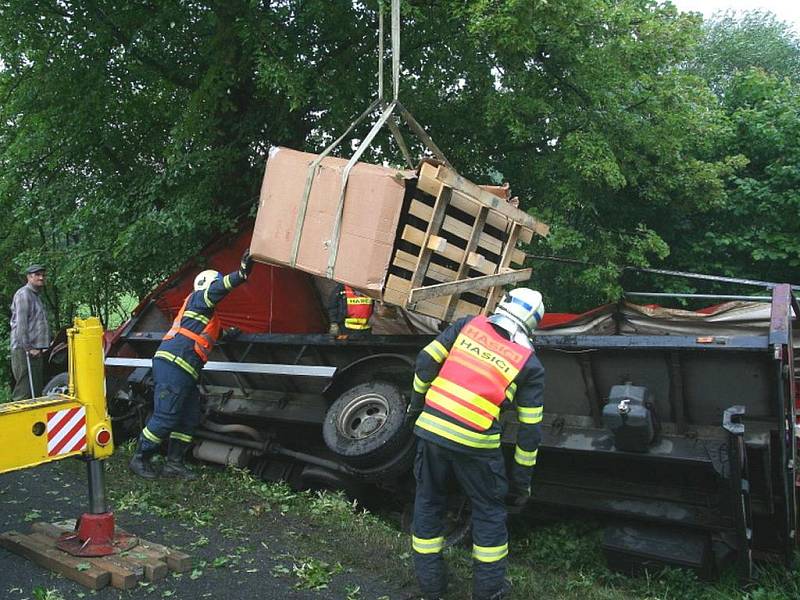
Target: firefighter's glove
x=333, y=329
x=516, y=499
x=246, y=265
x=412, y=414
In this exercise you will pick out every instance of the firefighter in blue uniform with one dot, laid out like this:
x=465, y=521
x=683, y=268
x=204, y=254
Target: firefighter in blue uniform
x=461, y=380
x=176, y=368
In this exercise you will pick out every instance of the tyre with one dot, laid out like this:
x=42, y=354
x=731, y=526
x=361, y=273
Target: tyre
x=365, y=425
x=59, y=384
x=320, y=479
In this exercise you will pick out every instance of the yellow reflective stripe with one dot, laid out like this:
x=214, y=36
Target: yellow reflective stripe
x=356, y=323
x=531, y=416
x=427, y=546
x=226, y=281
x=511, y=391
x=525, y=458
x=437, y=351
x=206, y=299
x=490, y=553
x=466, y=395
x=151, y=436
x=480, y=421
x=196, y=316
x=420, y=386
x=455, y=433
x=178, y=361
x=180, y=436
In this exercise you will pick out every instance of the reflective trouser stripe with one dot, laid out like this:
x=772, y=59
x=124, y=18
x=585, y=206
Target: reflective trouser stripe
x=525, y=458
x=488, y=554
x=531, y=416
x=437, y=351
x=180, y=436
x=420, y=386
x=169, y=356
x=149, y=435
x=427, y=546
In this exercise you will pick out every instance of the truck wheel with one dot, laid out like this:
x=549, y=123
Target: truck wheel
x=364, y=426
x=59, y=384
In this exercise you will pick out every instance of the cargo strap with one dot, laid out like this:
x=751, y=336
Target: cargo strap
x=386, y=118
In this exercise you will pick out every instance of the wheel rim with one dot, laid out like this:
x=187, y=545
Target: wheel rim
x=365, y=416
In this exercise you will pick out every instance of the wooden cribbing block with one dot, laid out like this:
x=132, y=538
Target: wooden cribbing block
x=416, y=236
x=437, y=244
x=150, y=562
x=124, y=576
x=77, y=569
x=176, y=561
x=475, y=260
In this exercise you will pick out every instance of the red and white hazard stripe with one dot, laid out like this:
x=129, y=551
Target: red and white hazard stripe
x=66, y=431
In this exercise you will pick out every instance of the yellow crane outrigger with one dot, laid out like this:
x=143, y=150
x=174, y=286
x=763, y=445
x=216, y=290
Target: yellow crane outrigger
x=75, y=424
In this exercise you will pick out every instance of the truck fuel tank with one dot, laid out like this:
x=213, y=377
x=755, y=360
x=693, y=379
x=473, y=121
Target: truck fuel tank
x=630, y=418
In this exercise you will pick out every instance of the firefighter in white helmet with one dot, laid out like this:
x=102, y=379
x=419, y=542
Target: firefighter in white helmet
x=461, y=380
x=176, y=368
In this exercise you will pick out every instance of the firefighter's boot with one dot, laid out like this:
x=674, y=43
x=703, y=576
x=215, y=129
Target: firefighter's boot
x=175, y=465
x=141, y=463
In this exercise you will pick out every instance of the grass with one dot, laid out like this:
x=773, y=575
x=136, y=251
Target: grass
x=558, y=559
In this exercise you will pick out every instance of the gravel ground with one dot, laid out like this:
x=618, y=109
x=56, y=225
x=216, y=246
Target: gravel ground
x=260, y=563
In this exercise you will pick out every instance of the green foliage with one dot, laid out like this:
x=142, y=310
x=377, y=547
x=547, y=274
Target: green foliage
x=130, y=133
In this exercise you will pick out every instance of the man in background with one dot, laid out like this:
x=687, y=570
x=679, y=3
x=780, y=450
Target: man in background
x=30, y=335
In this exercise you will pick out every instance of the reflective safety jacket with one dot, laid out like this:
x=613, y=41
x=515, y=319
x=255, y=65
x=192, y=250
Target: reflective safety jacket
x=203, y=341
x=462, y=379
x=196, y=329
x=359, y=309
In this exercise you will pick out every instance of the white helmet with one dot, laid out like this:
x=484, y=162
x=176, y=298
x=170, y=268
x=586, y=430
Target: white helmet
x=524, y=306
x=205, y=279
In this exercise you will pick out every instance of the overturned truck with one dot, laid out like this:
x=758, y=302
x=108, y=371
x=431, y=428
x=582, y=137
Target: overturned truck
x=678, y=425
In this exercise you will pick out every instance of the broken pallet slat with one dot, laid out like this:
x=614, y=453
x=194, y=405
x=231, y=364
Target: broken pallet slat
x=77, y=569
x=452, y=252
x=438, y=273
x=397, y=286
x=505, y=259
x=463, y=268
x=459, y=287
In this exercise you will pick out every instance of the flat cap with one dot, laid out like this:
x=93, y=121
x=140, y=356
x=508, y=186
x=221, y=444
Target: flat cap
x=34, y=268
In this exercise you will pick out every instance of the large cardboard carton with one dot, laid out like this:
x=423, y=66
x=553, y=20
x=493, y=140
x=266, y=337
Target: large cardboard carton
x=372, y=208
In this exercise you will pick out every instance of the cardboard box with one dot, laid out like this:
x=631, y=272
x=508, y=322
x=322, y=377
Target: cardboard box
x=372, y=208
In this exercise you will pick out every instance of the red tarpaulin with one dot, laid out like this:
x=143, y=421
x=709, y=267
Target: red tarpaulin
x=274, y=299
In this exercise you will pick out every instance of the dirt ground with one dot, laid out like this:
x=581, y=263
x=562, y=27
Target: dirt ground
x=261, y=563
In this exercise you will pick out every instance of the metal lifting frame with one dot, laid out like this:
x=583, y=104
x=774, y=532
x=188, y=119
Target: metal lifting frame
x=386, y=118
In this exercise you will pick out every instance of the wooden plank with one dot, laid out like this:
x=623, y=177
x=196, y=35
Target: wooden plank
x=395, y=285
x=450, y=178
x=151, y=562
x=465, y=285
x=440, y=274
x=434, y=225
x=176, y=560
x=123, y=576
x=505, y=259
x=67, y=565
x=428, y=183
x=463, y=268
x=460, y=229
x=437, y=244
x=416, y=236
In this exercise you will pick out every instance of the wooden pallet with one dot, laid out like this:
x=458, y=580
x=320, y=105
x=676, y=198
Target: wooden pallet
x=457, y=247
x=146, y=561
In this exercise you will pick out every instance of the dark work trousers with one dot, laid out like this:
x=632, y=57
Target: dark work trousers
x=483, y=480
x=19, y=367
x=176, y=405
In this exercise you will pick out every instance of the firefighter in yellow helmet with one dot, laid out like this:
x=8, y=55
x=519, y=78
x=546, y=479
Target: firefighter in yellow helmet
x=176, y=368
x=462, y=378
